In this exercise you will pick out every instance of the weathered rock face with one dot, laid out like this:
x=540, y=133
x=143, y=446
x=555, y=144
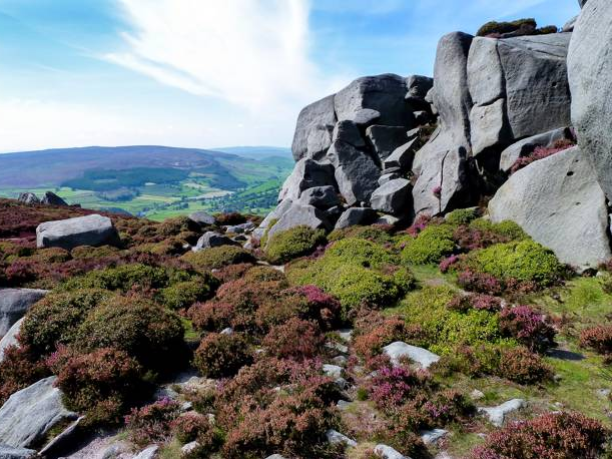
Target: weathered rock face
x=557, y=202
x=92, y=230
x=590, y=70
x=356, y=172
x=393, y=197
x=29, y=414
x=356, y=216
x=300, y=215
x=14, y=303
x=307, y=173
x=314, y=128
x=10, y=339
x=212, y=239
x=527, y=146
x=8, y=452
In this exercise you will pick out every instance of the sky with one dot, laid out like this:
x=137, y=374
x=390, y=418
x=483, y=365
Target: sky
x=210, y=73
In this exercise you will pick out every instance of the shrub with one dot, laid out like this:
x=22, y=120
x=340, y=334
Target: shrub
x=293, y=243
x=19, y=369
x=523, y=261
x=145, y=330
x=152, y=423
x=392, y=386
x=541, y=153
x=230, y=218
x=528, y=327
x=462, y=217
x=430, y=246
x=523, y=366
x=99, y=384
x=183, y=294
x=218, y=257
x=297, y=339
x=550, y=436
x=360, y=252
x=463, y=303
x=211, y=316
x=479, y=282
x=222, y=355
x=528, y=25
x=189, y=426
x=374, y=233
x=598, y=338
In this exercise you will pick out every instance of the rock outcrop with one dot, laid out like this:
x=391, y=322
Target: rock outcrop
x=14, y=303
x=92, y=230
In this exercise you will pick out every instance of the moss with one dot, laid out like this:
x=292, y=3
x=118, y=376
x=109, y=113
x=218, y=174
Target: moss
x=360, y=252
x=372, y=233
x=218, y=257
x=507, y=229
x=296, y=242
x=431, y=245
x=524, y=261
x=462, y=217
x=494, y=27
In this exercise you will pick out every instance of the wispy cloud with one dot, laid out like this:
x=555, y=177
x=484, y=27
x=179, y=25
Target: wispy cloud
x=252, y=53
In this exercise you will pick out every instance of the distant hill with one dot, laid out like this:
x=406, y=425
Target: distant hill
x=149, y=180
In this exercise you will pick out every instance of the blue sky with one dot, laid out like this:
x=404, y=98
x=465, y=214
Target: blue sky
x=210, y=73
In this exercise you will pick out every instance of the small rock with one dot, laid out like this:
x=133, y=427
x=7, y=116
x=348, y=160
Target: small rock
x=51, y=199
x=604, y=393
x=28, y=198
x=149, y=453
x=397, y=350
x=477, y=395
x=227, y=331
x=339, y=360
x=212, y=239
x=386, y=452
x=190, y=447
x=337, y=346
x=346, y=334
x=343, y=405
x=275, y=456
x=497, y=414
x=334, y=437
x=202, y=218
x=333, y=371
x=341, y=383
x=431, y=437
x=356, y=216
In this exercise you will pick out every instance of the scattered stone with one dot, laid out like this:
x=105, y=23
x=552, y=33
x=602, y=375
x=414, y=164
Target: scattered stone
x=477, y=395
x=387, y=220
x=92, y=230
x=322, y=197
x=431, y=437
x=394, y=197
x=51, y=199
x=190, y=447
x=29, y=414
x=340, y=360
x=557, y=202
x=343, y=405
x=14, y=303
x=28, y=199
x=275, y=456
x=313, y=133
x=334, y=437
x=603, y=393
x=356, y=216
x=202, y=218
x=398, y=350
x=497, y=414
x=386, y=452
x=333, y=371
x=346, y=334
x=240, y=229
x=149, y=453
x=227, y=331
x=212, y=239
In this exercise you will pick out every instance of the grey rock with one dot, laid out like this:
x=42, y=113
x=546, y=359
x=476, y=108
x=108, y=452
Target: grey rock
x=28, y=198
x=300, y=215
x=526, y=146
x=313, y=133
x=497, y=414
x=582, y=3
x=202, y=218
x=29, y=414
x=8, y=452
x=403, y=156
x=272, y=217
x=418, y=86
x=347, y=131
x=275, y=456
x=148, y=453
x=333, y=371
x=307, y=173
x=386, y=452
x=322, y=197
x=485, y=72
x=240, y=229
x=489, y=126
x=394, y=197
x=212, y=239
x=10, y=339
x=388, y=220
x=334, y=437
x=93, y=230
x=432, y=437
x=333, y=214
x=63, y=439
x=387, y=177
x=51, y=199
x=422, y=357
x=569, y=25
x=355, y=216
x=557, y=202
x=14, y=303
x=590, y=70
x=190, y=447
x=383, y=93
x=384, y=140
x=365, y=117
x=537, y=89
x=356, y=173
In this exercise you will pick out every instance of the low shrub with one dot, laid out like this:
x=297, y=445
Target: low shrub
x=541, y=153
x=392, y=386
x=374, y=233
x=190, y=426
x=218, y=257
x=152, y=423
x=211, y=316
x=296, y=339
x=222, y=355
x=480, y=282
x=100, y=384
x=183, y=294
x=360, y=252
x=549, y=436
x=19, y=369
x=528, y=327
x=528, y=25
x=462, y=217
x=598, y=338
x=296, y=242
x=464, y=303
x=430, y=246
x=522, y=366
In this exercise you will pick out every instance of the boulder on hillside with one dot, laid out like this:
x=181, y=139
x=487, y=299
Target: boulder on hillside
x=51, y=199
x=590, y=76
x=28, y=198
x=202, y=218
x=307, y=173
x=384, y=140
x=322, y=197
x=272, y=218
x=212, y=239
x=28, y=415
x=300, y=215
x=394, y=197
x=356, y=216
x=92, y=230
x=557, y=202
x=14, y=303
x=10, y=338
x=314, y=129
x=383, y=93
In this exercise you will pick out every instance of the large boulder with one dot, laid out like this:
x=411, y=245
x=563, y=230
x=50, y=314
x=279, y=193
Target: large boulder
x=557, y=202
x=356, y=216
x=590, y=76
x=300, y=215
x=307, y=173
x=356, y=173
x=386, y=139
x=313, y=133
x=14, y=303
x=28, y=415
x=28, y=198
x=393, y=197
x=212, y=239
x=92, y=230
x=383, y=93
x=202, y=218
x=527, y=146
x=51, y=199
x=10, y=339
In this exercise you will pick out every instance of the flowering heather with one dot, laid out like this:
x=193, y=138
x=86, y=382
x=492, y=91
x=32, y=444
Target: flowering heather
x=528, y=326
x=541, y=153
x=391, y=386
x=152, y=423
x=447, y=264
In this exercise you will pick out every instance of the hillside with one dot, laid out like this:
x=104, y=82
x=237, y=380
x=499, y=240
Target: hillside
x=151, y=181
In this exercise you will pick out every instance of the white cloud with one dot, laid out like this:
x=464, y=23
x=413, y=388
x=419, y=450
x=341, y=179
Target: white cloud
x=251, y=53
